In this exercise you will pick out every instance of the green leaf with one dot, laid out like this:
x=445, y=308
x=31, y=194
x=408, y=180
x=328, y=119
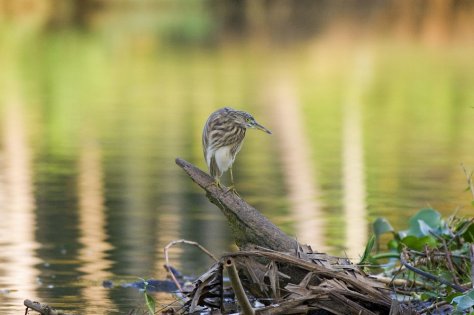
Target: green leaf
x=425, y=229
x=451, y=296
x=468, y=235
x=150, y=303
x=149, y=300
x=368, y=250
x=386, y=255
x=418, y=243
x=425, y=296
x=381, y=226
x=393, y=244
x=430, y=218
x=465, y=301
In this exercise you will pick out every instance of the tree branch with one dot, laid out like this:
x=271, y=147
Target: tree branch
x=250, y=228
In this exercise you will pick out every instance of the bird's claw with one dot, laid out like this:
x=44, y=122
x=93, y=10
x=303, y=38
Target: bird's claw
x=222, y=187
x=233, y=190
x=215, y=183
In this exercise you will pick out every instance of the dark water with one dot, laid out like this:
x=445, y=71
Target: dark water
x=91, y=124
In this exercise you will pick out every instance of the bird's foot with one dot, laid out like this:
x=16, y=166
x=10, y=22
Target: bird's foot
x=215, y=183
x=233, y=190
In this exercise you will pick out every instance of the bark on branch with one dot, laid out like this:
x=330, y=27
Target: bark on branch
x=250, y=228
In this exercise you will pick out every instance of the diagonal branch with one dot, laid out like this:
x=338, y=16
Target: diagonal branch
x=249, y=227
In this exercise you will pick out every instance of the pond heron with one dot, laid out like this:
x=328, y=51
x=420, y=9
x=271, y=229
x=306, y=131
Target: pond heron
x=222, y=139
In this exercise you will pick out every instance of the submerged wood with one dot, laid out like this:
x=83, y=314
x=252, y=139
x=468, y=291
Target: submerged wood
x=43, y=309
x=250, y=228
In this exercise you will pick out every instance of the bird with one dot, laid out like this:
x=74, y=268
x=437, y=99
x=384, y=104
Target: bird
x=222, y=139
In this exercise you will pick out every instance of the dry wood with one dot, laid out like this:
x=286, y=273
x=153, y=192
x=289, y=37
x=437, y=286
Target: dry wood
x=208, y=289
x=250, y=228
x=238, y=288
x=360, y=282
x=290, y=306
x=43, y=309
x=167, y=266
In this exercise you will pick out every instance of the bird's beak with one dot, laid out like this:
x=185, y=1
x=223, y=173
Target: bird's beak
x=260, y=127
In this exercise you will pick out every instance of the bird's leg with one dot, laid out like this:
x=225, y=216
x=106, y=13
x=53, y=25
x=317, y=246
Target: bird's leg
x=231, y=178
x=232, y=186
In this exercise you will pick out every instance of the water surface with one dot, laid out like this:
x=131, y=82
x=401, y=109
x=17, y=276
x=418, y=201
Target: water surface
x=91, y=124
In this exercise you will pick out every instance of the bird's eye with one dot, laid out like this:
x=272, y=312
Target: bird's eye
x=248, y=120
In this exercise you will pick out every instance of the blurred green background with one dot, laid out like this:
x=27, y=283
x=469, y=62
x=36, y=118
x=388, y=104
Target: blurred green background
x=371, y=104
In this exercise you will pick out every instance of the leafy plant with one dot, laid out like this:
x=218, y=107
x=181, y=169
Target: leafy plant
x=431, y=258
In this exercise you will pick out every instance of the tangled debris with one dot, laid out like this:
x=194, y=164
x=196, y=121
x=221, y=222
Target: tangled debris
x=277, y=275
x=314, y=284
x=278, y=272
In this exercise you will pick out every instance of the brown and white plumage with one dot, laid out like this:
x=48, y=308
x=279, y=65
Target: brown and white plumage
x=222, y=138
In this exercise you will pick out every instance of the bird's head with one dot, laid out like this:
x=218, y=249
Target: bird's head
x=246, y=120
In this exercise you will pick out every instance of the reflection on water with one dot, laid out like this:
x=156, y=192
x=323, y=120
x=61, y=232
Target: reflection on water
x=17, y=224
x=298, y=170
x=355, y=208
x=95, y=264
x=91, y=122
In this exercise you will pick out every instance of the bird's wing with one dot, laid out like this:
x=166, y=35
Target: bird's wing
x=222, y=134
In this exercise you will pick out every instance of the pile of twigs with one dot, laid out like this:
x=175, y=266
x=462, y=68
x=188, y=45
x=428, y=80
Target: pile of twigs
x=269, y=282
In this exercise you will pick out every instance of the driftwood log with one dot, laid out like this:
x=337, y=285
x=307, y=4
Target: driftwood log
x=290, y=278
